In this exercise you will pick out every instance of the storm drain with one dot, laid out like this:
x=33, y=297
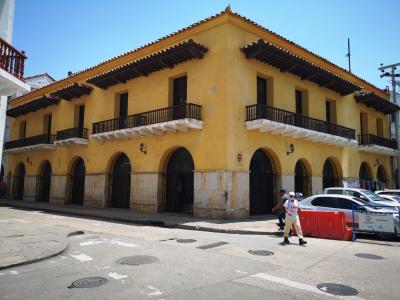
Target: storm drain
x=186, y=241
x=213, y=245
x=261, y=252
x=89, y=282
x=337, y=289
x=369, y=256
x=137, y=260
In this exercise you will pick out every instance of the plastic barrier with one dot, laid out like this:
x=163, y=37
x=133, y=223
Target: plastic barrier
x=325, y=224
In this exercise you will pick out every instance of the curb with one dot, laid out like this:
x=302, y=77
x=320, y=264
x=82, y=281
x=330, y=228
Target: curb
x=156, y=223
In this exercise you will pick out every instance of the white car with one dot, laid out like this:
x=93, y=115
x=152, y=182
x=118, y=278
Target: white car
x=391, y=197
x=388, y=192
x=365, y=195
x=346, y=204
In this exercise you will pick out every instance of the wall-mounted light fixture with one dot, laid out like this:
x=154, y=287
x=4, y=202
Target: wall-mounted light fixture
x=291, y=149
x=143, y=148
x=28, y=160
x=377, y=163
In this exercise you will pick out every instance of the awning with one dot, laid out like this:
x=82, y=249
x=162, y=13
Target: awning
x=166, y=58
x=73, y=91
x=286, y=61
x=379, y=103
x=33, y=105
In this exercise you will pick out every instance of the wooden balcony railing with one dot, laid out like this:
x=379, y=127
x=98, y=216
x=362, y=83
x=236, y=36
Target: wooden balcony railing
x=370, y=139
x=184, y=111
x=11, y=60
x=70, y=133
x=30, y=141
x=261, y=111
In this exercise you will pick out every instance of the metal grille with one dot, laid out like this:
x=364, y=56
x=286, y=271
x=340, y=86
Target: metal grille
x=137, y=260
x=89, y=282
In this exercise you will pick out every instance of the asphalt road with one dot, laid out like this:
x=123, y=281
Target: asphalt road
x=203, y=266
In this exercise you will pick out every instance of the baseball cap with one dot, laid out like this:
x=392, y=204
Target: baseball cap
x=292, y=194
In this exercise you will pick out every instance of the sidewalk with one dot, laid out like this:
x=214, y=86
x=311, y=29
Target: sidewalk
x=263, y=225
x=21, y=243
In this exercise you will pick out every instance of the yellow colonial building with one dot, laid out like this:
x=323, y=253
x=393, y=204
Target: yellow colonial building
x=212, y=120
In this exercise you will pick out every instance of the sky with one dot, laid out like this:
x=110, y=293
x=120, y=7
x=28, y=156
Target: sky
x=71, y=35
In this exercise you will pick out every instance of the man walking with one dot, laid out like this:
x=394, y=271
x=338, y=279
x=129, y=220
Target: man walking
x=292, y=218
x=279, y=209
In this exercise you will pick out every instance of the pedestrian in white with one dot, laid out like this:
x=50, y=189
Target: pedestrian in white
x=292, y=218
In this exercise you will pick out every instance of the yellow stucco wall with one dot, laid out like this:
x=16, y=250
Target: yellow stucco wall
x=223, y=83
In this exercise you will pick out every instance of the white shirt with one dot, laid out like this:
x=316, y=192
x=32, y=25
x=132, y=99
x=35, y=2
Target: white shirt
x=292, y=207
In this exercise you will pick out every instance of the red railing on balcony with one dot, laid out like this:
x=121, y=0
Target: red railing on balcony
x=11, y=60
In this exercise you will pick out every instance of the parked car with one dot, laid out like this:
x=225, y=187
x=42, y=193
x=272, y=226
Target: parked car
x=388, y=192
x=344, y=203
x=391, y=197
x=365, y=195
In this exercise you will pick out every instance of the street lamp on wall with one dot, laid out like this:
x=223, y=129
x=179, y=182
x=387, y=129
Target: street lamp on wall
x=377, y=163
x=142, y=148
x=291, y=149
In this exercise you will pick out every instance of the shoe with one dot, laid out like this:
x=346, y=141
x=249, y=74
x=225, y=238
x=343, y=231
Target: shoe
x=302, y=242
x=286, y=240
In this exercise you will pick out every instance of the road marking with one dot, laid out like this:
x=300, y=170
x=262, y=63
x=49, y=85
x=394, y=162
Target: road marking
x=91, y=242
x=116, y=276
x=81, y=257
x=119, y=243
x=241, y=272
x=213, y=245
x=55, y=217
x=14, y=272
x=300, y=286
x=20, y=221
x=155, y=292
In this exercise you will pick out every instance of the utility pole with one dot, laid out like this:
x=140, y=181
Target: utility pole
x=392, y=74
x=348, y=55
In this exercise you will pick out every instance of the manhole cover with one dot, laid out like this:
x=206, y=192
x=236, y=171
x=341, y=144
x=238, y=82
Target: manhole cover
x=261, y=252
x=137, y=260
x=185, y=241
x=369, y=256
x=89, y=282
x=337, y=289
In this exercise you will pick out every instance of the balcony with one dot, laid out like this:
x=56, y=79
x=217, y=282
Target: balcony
x=72, y=137
x=11, y=69
x=278, y=121
x=38, y=142
x=376, y=144
x=155, y=122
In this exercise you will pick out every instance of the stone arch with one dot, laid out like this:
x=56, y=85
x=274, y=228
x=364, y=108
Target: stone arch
x=382, y=177
x=263, y=183
x=302, y=177
x=76, y=180
x=119, y=183
x=44, y=182
x=179, y=181
x=365, y=176
x=331, y=173
x=19, y=181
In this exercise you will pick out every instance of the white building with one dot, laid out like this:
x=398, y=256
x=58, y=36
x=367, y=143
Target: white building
x=11, y=64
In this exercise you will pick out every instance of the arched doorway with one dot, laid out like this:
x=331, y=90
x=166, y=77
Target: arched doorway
x=180, y=182
x=45, y=182
x=121, y=182
x=262, y=183
x=2, y=173
x=381, y=177
x=19, y=182
x=301, y=178
x=330, y=176
x=77, y=180
x=365, y=177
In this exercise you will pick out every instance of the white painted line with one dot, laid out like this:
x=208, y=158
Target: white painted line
x=81, y=257
x=116, y=276
x=156, y=292
x=4, y=221
x=119, y=243
x=14, y=272
x=55, y=217
x=20, y=221
x=241, y=272
x=91, y=242
x=300, y=286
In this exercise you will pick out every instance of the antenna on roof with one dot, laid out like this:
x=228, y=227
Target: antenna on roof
x=348, y=55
